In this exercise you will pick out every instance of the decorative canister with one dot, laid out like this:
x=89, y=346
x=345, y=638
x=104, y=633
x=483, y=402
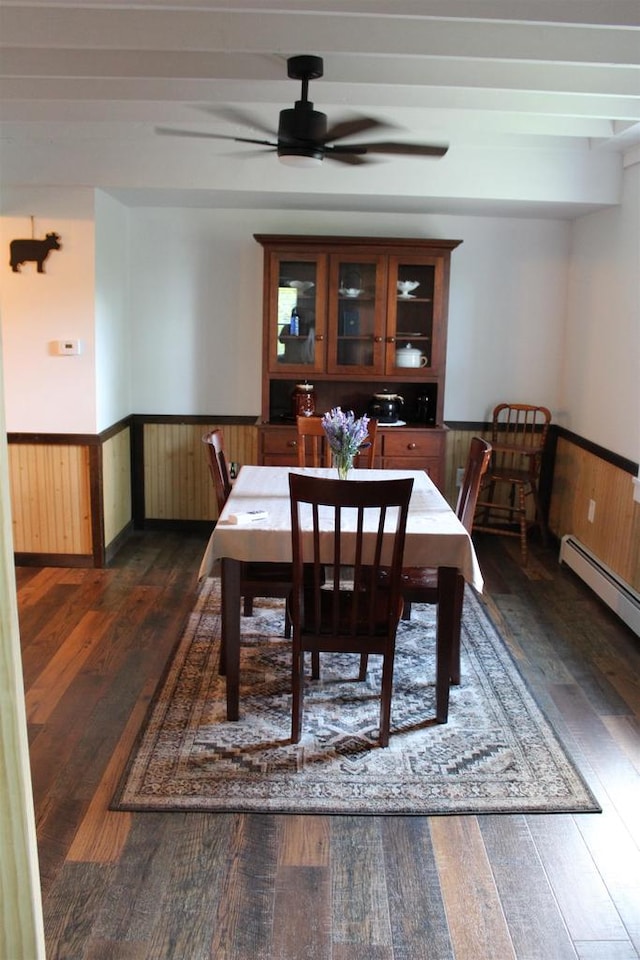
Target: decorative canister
x=303, y=400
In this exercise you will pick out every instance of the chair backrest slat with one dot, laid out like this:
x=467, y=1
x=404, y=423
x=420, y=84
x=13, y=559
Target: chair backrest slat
x=218, y=466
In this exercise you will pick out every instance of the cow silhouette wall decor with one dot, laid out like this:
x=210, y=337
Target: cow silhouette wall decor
x=36, y=250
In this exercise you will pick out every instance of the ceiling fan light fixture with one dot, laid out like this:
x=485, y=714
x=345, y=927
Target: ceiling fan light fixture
x=292, y=157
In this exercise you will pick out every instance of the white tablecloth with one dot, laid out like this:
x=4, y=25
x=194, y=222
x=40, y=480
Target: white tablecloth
x=435, y=537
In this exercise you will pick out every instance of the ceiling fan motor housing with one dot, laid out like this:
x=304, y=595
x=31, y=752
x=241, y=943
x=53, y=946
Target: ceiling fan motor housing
x=302, y=130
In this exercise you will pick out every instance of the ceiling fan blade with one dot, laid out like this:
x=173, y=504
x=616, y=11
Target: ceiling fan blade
x=169, y=132
x=344, y=155
x=347, y=128
x=233, y=115
x=406, y=149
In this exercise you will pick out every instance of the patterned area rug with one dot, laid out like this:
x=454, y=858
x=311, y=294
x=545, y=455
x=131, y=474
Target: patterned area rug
x=496, y=754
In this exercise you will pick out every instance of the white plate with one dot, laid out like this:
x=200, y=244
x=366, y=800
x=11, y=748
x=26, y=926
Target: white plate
x=398, y=423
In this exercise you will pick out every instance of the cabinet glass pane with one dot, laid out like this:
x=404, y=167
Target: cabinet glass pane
x=296, y=315
x=414, y=315
x=356, y=314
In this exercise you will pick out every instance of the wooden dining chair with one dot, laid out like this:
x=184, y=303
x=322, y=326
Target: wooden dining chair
x=329, y=614
x=314, y=449
x=256, y=579
x=421, y=584
x=518, y=436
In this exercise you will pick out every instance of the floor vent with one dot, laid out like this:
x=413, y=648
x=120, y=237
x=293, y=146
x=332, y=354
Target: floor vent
x=617, y=594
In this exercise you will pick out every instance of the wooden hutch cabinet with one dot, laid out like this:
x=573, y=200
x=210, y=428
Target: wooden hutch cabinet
x=354, y=317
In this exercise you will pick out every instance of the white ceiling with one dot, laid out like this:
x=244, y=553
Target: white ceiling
x=539, y=100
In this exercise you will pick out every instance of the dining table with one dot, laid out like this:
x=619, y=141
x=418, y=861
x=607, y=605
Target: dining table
x=255, y=526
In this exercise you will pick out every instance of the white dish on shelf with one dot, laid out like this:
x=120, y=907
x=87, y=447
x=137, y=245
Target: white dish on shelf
x=302, y=286
x=396, y=423
x=406, y=287
x=406, y=296
x=352, y=293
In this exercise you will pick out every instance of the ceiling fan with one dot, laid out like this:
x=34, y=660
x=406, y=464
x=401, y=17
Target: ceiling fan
x=304, y=138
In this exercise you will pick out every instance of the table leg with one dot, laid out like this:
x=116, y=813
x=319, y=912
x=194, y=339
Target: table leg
x=450, y=599
x=231, y=633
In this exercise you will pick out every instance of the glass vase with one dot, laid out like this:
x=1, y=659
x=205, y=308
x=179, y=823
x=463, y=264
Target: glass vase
x=343, y=465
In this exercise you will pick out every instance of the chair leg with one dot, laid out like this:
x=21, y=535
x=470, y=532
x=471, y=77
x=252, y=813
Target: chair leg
x=385, y=698
x=315, y=665
x=538, y=514
x=364, y=662
x=297, y=689
x=406, y=610
x=248, y=607
x=523, y=524
x=489, y=493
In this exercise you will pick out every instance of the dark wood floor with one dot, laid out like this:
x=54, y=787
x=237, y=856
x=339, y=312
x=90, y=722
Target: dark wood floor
x=192, y=886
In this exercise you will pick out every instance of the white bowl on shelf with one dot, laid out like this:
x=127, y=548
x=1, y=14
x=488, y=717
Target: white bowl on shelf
x=406, y=287
x=350, y=292
x=302, y=286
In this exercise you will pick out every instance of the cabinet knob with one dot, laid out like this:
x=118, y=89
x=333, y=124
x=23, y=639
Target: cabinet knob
x=391, y=339
x=292, y=443
x=377, y=339
x=411, y=446
x=319, y=337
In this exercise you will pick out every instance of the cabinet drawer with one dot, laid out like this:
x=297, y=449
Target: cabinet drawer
x=279, y=440
x=278, y=447
x=411, y=443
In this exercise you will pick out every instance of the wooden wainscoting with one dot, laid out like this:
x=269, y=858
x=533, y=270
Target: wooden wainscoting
x=171, y=474
x=172, y=477
x=117, y=499
x=582, y=473
x=575, y=471
x=74, y=499
x=51, y=500
x=70, y=496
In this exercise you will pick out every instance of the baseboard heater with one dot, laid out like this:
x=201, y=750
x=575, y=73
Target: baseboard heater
x=617, y=594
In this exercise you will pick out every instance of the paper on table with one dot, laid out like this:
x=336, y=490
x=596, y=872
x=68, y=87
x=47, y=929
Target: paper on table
x=248, y=516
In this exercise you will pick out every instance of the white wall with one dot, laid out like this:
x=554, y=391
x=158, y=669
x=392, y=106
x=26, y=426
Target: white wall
x=540, y=310
x=197, y=305
x=45, y=392
x=601, y=371
x=112, y=320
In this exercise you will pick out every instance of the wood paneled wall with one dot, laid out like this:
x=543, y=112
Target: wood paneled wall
x=177, y=483
x=50, y=498
x=116, y=484
x=53, y=489
x=71, y=496
x=614, y=535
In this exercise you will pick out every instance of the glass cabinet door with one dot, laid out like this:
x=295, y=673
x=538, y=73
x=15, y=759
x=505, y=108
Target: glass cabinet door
x=411, y=343
x=297, y=341
x=356, y=315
